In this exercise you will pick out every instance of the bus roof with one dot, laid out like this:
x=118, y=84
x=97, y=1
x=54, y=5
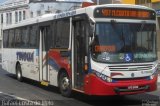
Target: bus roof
x=88, y=10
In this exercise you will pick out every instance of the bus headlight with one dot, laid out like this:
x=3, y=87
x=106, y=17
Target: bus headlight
x=154, y=74
x=103, y=77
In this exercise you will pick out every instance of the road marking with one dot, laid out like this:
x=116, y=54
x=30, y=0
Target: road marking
x=22, y=99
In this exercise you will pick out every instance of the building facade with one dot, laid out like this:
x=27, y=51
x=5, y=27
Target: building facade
x=15, y=11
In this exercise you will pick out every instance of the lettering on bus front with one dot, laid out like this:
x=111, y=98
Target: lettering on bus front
x=110, y=48
x=25, y=56
x=124, y=13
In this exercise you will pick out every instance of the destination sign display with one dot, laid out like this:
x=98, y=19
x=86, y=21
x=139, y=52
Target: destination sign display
x=124, y=13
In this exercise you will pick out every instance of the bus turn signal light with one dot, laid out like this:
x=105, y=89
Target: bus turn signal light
x=85, y=67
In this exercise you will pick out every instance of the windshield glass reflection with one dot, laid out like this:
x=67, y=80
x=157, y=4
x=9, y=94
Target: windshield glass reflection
x=124, y=42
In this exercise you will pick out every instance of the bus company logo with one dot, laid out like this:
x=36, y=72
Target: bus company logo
x=25, y=56
x=132, y=74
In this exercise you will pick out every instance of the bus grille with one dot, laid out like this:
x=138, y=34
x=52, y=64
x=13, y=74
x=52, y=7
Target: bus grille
x=130, y=79
x=138, y=67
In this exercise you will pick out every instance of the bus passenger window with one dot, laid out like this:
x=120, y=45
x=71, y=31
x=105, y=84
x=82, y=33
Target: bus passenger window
x=18, y=38
x=33, y=40
x=25, y=37
x=52, y=37
x=5, y=39
x=62, y=34
x=11, y=39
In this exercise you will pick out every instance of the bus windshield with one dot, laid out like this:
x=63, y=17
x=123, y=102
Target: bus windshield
x=124, y=42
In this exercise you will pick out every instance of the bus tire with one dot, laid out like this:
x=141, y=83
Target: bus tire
x=19, y=73
x=65, y=85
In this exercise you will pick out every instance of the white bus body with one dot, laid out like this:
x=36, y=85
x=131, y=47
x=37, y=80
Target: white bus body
x=94, y=77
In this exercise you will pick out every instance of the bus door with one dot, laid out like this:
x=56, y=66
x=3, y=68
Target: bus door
x=44, y=68
x=79, y=53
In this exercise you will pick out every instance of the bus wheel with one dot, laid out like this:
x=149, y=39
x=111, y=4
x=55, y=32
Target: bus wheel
x=19, y=73
x=65, y=85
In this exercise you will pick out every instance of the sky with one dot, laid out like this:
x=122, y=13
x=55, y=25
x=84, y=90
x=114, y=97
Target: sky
x=1, y=1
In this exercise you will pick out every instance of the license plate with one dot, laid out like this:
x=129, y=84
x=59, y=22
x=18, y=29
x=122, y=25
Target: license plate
x=133, y=87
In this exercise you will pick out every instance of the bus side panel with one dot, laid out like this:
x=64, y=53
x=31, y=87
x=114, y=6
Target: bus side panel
x=29, y=63
x=53, y=76
x=8, y=60
x=4, y=60
x=56, y=62
x=28, y=60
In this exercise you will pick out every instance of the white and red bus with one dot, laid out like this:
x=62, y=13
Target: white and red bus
x=98, y=50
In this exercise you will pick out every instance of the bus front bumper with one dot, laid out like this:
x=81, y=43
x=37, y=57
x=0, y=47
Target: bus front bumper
x=95, y=86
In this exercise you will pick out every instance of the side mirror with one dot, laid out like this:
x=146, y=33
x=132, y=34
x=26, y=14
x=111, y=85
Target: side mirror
x=91, y=31
x=92, y=41
x=91, y=27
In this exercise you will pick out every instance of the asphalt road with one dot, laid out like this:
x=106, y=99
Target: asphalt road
x=29, y=93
